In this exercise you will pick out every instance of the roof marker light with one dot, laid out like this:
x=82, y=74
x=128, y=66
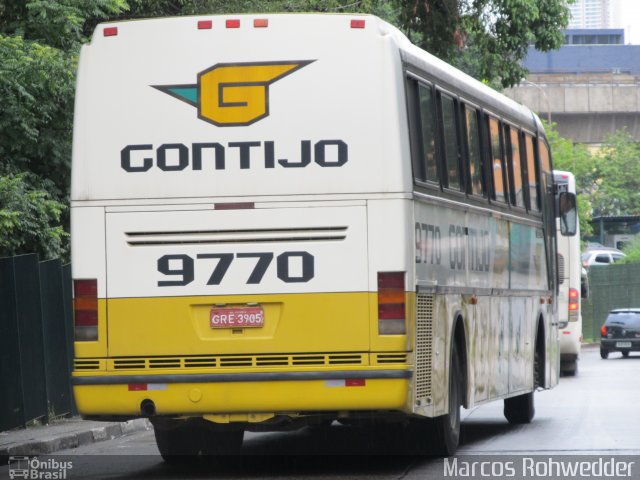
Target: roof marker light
x=110, y=31
x=260, y=23
x=357, y=23
x=233, y=23
x=205, y=24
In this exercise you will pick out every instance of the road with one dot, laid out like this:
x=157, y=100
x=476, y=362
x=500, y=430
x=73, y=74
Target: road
x=593, y=413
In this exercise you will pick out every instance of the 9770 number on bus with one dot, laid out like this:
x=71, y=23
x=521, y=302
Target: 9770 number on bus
x=291, y=267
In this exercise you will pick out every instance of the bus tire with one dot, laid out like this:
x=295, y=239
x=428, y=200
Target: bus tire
x=446, y=428
x=520, y=409
x=570, y=368
x=178, y=444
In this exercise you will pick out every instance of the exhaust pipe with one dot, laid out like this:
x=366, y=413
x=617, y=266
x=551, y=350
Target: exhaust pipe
x=147, y=408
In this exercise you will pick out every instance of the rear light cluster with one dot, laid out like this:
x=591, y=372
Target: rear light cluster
x=603, y=331
x=391, y=303
x=574, y=304
x=85, y=310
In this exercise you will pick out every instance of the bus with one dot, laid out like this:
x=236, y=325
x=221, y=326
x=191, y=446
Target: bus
x=281, y=221
x=571, y=279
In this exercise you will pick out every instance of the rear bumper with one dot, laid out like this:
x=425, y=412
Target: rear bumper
x=612, y=344
x=244, y=393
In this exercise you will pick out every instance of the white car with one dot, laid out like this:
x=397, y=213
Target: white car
x=601, y=256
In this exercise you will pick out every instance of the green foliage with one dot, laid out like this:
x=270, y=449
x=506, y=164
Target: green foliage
x=607, y=181
x=29, y=219
x=39, y=45
x=617, y=184
x=632, y=249
x=486, y=38
x=36, y=90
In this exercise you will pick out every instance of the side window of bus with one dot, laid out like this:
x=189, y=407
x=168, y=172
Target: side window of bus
x=473, y=149
x=545, y=165
x=532, y=176
x=450, y=137
x=512, y=136
x=428, y=129
x=497, y=163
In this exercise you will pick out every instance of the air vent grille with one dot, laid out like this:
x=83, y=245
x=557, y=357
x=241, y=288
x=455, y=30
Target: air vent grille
x=210, y=237
x=238, y=361
x=424, y=347
x=387, y=358
x=86, y=364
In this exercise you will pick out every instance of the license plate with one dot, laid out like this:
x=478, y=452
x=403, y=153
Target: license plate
x=623, y=344
x=236, y=317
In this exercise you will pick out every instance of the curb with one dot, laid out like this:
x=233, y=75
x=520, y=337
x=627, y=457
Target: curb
x=62, y=441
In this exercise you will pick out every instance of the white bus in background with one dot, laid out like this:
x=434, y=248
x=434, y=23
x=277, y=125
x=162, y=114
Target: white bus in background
x=286, y=220
x=570, y=282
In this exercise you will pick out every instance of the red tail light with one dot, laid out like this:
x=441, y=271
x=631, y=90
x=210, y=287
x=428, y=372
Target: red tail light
x=85, y=309
x=391, y=303
x=603, y=330
x=574, y=304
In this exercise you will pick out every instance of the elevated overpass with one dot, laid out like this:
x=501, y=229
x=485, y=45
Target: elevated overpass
x=586, y=107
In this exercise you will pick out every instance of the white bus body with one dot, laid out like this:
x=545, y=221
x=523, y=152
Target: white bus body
x=251, y=248
x=570, y=290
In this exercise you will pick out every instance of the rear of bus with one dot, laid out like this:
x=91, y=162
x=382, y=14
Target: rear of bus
x=240, y=214
x=569, y=296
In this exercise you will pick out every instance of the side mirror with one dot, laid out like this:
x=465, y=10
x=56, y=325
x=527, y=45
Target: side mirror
x=568, y=214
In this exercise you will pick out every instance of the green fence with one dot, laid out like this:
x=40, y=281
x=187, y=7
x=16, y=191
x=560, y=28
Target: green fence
x=35, y=340
x=612, y=286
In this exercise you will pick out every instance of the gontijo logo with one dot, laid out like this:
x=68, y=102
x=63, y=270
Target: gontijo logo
x=233, y=94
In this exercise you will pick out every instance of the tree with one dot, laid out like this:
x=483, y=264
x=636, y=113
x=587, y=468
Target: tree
x=39, y=45
x=486, y=38
x=617, y=184
x=29, y=219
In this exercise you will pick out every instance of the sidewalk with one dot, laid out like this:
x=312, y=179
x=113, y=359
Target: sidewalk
x=63, y=434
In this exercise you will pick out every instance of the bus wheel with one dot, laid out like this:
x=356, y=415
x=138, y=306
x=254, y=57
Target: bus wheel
x=178, y=444
x=222, y=442
x=446, y=431
x=519, y=409
x=570, y=368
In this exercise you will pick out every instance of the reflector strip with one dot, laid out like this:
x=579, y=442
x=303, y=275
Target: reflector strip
x=357, y=23
x=205, y=24
x=110, y=31
x=355, y=382
x=232, y=23
x=260, y=23
x=566, y=333
x=347, y=382
x=143, y=387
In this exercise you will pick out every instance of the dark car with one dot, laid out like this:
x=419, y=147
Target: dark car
x=621, y=332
